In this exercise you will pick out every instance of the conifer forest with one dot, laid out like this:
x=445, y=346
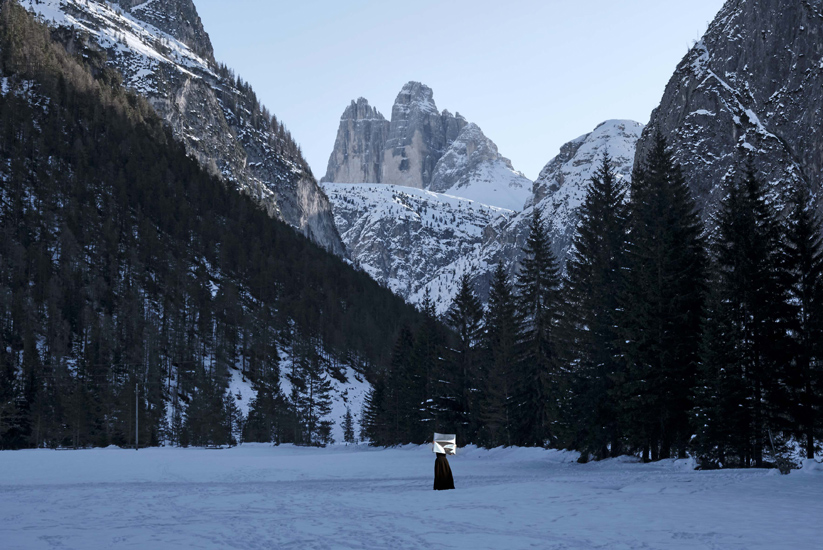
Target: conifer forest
x=134, y=284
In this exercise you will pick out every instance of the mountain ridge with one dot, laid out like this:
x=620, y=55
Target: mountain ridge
x=214, y=113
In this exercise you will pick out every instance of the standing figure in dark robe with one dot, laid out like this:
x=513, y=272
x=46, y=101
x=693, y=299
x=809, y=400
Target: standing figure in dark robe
x=442, y=473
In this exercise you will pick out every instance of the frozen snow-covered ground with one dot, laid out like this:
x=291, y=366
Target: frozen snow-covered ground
x=258, y=496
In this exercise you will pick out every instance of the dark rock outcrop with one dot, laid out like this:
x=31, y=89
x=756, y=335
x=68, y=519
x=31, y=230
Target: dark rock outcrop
x=752, y=87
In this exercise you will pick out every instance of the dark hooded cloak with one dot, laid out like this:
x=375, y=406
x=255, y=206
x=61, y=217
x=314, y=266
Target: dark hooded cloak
x=442, y=473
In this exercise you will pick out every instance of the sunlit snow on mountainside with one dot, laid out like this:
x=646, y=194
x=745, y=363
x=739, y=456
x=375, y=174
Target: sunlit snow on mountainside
x=403, y=236
x=118, y=30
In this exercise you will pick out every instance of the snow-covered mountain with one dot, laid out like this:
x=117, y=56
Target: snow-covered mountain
x=408, y=238
x=559, y=192
x=751, y=87
x=414, y=241
x=163, y=52
x=561, y=186
x=442, y=191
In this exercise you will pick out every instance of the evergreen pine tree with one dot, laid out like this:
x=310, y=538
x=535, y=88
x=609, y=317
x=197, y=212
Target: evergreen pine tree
x=268, y=407
x=348, y=427
x=661, y=307
x=465, y=317
x=234, y=420
x=748, y=344
x=312, y=397
x=427, y=375
x=594, y=282
x=399, y=406
x=804, y=254
x=373, y=426
x=500, y=347
x=538, y=379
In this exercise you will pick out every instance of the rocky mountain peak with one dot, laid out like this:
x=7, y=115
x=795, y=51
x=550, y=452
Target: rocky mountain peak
x=418, y=136
x=751, y=87
x=179, y=18
x=361, y=110
x=403, y=151
x=415, y=95
x=358, y=147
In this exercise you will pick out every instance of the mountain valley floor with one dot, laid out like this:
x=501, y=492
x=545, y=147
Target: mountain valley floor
x=260, y=496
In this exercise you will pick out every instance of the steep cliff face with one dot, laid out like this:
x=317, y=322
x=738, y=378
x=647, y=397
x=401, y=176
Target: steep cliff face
x=358, y=148
x=418, y=136
x=473, y=168
x=752, y=87
x=423, y=148
x=163, y=52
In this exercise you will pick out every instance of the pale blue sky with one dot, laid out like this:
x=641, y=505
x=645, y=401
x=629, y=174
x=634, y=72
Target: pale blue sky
x=532, y=74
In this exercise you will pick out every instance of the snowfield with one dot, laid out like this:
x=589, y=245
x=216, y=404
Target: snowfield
x=259, y=496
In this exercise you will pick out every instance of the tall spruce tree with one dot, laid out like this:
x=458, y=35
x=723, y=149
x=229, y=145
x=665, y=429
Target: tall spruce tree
x=373, y=426
x=465, y=317
x=595, y=273
x=662, y=307
x=804, y=255
x=348, y=427
x=266, y=411
x=399, y=406
x=233, y=419
x=538, y=378
x=427, y=379
x=747, y=349
x=500, y=348
x=313, y=396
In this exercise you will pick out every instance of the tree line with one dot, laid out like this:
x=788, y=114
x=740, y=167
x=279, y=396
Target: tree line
x=660, y=339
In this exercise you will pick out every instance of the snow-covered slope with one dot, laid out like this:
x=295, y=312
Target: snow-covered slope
x=405, y=237
x=163, y=52
x=473, y=168
x=561, y=186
